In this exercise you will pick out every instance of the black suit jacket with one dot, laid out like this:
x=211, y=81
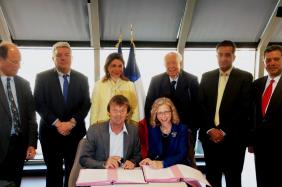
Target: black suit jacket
x=51, y=106
x=267, y=129
x=185, y=99
x=26, y=109
x=235, y=105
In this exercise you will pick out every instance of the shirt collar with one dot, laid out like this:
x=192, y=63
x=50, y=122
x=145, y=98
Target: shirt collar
x=227, y=73
x=4, y=78
x=175, y=79
x=62, y=74
x=113, y=82
x=276, y=79
x=124, y=129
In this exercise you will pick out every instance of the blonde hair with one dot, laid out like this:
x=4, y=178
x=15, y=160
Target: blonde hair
x=60, y=45
x=159, y=102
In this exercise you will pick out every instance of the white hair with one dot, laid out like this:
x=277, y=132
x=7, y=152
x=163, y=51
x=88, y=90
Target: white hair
x=60, y=45
x=177, y=54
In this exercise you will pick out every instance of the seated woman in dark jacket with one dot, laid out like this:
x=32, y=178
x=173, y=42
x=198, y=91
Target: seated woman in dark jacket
x=168, y=139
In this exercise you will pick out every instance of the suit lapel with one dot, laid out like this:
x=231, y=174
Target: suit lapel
x=55, y=84
x=214, y=89
x=3, y=99
x=106, y=139
x=165, y=86
x=19, y=95
x=227, y=94
x=275, y=99
x=180, y=84
x=126, y=138
x=172, y=137
x=72, y=86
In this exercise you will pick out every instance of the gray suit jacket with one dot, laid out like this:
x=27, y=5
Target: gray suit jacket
x=97, y=148
x=26, y=108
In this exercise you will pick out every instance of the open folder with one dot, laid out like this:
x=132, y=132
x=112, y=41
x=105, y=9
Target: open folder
x=101, y=177
x=175, y=173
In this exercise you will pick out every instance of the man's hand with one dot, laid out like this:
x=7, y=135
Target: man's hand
x=128, y=165
x=216, y=135
x=112, y=162
x=64, y=128
x=30, y=153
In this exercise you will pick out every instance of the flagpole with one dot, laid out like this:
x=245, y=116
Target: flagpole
x=132, y=35
x=119, y=40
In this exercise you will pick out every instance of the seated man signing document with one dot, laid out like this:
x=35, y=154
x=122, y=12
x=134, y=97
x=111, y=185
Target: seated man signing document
x=114, y=143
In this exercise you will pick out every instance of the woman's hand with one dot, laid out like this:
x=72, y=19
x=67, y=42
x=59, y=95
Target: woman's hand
x=145, y=161
x=156, y=164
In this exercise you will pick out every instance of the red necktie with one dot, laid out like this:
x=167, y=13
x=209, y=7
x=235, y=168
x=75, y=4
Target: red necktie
x=266, y=97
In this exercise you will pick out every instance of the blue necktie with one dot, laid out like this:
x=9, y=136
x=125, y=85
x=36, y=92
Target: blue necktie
x=14, y=110
x=65, y=87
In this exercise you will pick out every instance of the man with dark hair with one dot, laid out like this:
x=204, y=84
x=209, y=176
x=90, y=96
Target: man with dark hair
x=225, y=95
x=227, y=43
x=114, y=143
x=18, y=127
x=62, y=101
x=267, y=97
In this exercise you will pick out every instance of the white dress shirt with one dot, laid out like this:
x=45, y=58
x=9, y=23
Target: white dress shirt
x=116, y=142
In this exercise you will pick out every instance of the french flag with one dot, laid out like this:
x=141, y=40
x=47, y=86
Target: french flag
x=133, y=74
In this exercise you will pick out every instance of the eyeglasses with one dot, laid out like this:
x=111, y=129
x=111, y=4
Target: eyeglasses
x=164, y=113
x=119, y=111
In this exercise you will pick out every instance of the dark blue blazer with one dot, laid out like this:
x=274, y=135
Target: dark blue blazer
x=50, y=104
x=178, y=145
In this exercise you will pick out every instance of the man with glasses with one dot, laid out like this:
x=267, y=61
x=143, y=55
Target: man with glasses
x=182, y=88
x=18, y=127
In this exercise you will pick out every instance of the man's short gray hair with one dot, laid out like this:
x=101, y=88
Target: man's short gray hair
x=177, y=54
x=60, y=45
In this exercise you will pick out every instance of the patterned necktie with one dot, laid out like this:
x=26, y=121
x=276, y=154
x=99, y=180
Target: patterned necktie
x=14, y=110
x=65, y=87
x=266, y=97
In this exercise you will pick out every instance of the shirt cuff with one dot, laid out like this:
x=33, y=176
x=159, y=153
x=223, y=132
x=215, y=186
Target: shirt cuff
x=209, y=130
x=54, y=123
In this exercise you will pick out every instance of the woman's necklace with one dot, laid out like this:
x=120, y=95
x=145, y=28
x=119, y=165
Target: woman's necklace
x=165, y=132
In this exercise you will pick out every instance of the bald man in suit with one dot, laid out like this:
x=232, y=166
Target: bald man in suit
x=18, y=127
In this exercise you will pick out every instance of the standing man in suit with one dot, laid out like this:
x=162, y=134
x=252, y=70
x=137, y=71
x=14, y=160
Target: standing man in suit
x=225, y=95
x=62, y=101
x=114, y=143
x=182, y=88
x=267, y=95
x=18, y=127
